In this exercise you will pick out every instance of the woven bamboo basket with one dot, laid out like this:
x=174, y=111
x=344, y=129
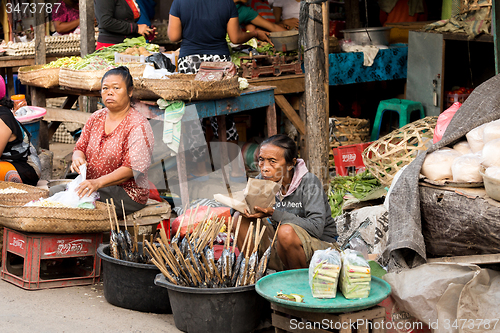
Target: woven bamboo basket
x=55, y=220
x=349, y=131
x=386, y=156
x=184, y=87
x=38, y=77
x=136, y=69
x=20, y=199
x=85, y=80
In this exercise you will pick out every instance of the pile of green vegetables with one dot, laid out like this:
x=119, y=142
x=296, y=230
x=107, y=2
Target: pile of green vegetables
x=63, y=62
x=108, y=53
x=358, y=186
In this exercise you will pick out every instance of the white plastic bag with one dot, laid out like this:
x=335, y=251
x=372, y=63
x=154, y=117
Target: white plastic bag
x=69, y=198
x=491, y=153
x=493, y=172
x=465, y=168
x=463, y=147
x=355, y=276
x=491, y=131
x=437, y=165
x=475, y=138
x=324, y=272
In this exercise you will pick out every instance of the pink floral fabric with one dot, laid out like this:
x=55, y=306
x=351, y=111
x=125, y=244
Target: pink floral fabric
x=64, y=13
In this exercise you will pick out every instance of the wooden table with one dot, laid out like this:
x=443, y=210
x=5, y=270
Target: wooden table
x=285, y=84
x=10, y=64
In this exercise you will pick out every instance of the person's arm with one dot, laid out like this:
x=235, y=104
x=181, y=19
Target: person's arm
x=261, y=22
x=5, y=134
x=117, y=177
x=104, y=12
x=315, y=212
x=291, y=23
x=64, y=27
x=277, y=14
x=238, y=36
x=174, y=28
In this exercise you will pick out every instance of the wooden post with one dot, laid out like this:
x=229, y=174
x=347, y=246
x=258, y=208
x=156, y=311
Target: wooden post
x=352, y=20
x=37, y=95
x=316, y=90
x=496, y=32
x=87, y=45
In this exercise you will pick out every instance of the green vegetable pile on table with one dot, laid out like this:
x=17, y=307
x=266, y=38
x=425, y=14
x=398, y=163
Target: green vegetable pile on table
x=358, y=186
x=92, y=64
x=62, y=62
x=108, y=53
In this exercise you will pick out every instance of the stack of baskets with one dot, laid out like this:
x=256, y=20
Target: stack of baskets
x=14, y=215
x=386, y=156
x=347, y=131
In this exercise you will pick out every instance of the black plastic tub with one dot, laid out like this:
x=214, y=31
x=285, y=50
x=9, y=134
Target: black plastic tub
x=131, y=285
x=217, y=310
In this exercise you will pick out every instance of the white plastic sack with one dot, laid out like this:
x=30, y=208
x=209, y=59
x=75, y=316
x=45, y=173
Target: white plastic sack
x=491, y=154
x=491, y=131
x=463, y=147
x=324, y=271
x=493, y=172
x=465, y=168
x=475, y=138
x=437, y=165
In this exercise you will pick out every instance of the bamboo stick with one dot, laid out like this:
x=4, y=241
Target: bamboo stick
x=259, y=238
x=182, y=221
x=124, y=217
x=116, y=216
x=153, y=252
x=164, y=271
x=237, y=233
x=205, y=263
x=110, y=216
x=166, y=257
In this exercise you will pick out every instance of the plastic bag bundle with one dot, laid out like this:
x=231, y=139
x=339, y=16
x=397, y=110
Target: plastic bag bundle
x=491, y=131
x=355, y=277
x=437, y=165
x=493, y=172
x=491, y=153
x=463, y=147
x=475, y=138
x=324, y=272
x=465, y=168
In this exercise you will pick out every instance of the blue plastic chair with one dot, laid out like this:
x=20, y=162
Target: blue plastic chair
x=402, y=106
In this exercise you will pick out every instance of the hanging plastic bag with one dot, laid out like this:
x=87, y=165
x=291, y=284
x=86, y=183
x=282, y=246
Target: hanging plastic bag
x=69, y=198
x=161, y=61
x=355, y=276
x=324, y=272
x=444, y=120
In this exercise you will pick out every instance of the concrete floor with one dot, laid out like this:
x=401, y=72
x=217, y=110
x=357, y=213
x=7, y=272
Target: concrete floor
x=72, y=309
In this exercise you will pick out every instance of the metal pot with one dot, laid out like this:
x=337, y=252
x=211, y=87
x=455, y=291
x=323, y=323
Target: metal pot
x=285, y=40
x=373, y=36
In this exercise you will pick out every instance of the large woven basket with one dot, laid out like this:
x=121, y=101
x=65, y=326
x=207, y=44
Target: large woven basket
x=20, y=199
x=184, y=87
x=85, y=80
x=55, y=220
x=38, y=77
x=386, y=156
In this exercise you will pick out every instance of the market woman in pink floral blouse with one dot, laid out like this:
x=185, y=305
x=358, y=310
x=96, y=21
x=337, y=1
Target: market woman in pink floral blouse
x=66, y=16
x=116, y=145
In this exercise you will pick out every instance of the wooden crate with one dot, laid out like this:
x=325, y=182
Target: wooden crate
x=372, y=318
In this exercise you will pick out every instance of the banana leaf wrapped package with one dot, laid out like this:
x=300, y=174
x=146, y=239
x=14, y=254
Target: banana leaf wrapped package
x=355, y=277
x=324, y=271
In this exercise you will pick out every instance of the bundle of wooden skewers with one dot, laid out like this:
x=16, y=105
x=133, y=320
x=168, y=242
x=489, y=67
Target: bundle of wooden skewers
x=191, y=262
x=122, y=245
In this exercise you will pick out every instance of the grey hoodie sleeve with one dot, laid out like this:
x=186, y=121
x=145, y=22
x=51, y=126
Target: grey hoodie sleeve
x=314, y=206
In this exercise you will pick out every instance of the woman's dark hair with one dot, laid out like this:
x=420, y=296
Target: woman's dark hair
x=7, y=102
x=283, y=141
x=124, y=73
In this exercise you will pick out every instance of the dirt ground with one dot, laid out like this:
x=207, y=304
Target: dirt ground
x=72, y=309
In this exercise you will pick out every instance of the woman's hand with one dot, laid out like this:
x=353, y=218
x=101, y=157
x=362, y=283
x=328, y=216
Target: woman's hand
x=264, y=36
x=259, y=213
x=87, y=187
x=78, y=160
x=291, y=23
x=144, y=30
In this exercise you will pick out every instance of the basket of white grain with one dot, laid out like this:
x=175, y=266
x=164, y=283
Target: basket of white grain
x=491, y=178
x=16, y=194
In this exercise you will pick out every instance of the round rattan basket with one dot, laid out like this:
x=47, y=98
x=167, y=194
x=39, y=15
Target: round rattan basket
x=55, y=220
x=20, y=199
x=386, y=156
x=185, y=87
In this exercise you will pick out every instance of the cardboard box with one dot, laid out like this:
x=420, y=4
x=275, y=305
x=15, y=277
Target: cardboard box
x=398, y=321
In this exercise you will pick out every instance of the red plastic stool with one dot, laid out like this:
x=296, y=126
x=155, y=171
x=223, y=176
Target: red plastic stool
x=349, y=156
x=40, y=261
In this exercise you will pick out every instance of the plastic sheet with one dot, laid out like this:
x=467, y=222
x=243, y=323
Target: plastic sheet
x=324, y=271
